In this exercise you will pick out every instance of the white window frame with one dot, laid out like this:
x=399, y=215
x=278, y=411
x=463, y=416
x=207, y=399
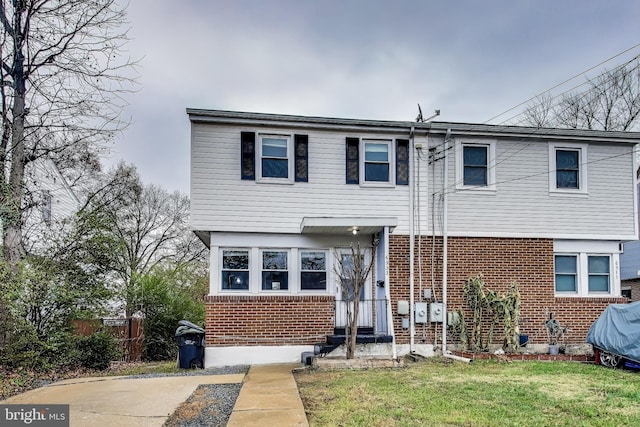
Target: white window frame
x=582, y=189
x=287, y=270
x=222, y=269
x=392, y=163
x=491, y=164
x=290, y=160
x=326, y=270
x=582, y=280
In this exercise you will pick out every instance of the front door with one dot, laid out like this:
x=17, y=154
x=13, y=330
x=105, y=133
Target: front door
x=345, y=298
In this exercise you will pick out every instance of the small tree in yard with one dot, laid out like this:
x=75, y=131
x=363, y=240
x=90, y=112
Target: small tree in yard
x=353, y=271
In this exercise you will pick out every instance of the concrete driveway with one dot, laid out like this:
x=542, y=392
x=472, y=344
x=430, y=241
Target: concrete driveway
x=121, y=401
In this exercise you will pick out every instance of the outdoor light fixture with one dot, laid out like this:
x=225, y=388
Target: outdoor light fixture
x=354, y=230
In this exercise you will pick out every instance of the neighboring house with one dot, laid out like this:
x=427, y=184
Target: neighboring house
x=50, y=200
x=630, y=270
x=277, y=198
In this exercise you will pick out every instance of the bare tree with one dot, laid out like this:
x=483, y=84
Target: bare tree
x=63, y=80
x=611, y=102
x=140, y=227
x=353, y=271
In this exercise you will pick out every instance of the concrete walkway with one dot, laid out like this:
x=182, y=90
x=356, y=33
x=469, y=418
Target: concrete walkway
x=269, y=396
x=118, y=401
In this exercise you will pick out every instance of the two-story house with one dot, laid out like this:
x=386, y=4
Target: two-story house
x=280, y=199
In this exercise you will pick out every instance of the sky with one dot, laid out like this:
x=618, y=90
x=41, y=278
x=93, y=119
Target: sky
x=366, y=59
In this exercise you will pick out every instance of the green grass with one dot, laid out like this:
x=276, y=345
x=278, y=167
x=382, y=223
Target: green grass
x=169, y=367
x=441, y=393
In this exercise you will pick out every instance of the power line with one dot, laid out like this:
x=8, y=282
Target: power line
x=562, y=83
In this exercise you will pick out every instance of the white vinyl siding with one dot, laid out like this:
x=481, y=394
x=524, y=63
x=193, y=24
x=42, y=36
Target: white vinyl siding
x=523, y=206
x=520, y=206
x=221, y=201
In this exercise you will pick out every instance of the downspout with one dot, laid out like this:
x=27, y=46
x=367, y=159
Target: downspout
x=387, y=291
x=412, y=237
x=445, y=223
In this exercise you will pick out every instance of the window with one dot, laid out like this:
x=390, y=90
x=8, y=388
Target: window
x=235, y=270
x=567, y=168
x=275, y=275
x=599, y=273
x=275, y=159
x=313, y=270
x=274, y=156
x=46, y=207
x=585, y=274
x=475, y=165
x=566, y=269
x=376, y=161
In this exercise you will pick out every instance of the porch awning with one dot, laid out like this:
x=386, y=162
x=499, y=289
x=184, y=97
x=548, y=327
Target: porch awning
x=346, y=225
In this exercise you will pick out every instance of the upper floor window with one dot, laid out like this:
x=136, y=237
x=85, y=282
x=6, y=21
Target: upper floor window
x=274, y=158
x=475, y=165
x=377, y=161
x=567, y=168
x=235, y=269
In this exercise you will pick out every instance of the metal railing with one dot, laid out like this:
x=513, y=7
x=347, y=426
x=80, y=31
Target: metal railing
x=372, y=313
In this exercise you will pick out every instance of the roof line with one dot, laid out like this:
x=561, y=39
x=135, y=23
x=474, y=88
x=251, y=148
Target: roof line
x=297, y=121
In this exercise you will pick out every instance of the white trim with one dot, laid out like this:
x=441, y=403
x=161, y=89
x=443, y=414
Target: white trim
x=491, y=164
x=290, y=159
x=391, y=161
x=583, y=250
x=539, y=235
x=634, y=160
x=253, y=355
x=582, y=163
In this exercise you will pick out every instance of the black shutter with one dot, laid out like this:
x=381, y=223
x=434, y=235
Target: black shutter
x=402, y=162
x=248, y=155
x=353, y=162
x=302, y=158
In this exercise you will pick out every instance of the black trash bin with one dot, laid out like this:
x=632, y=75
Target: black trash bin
x=190, y=339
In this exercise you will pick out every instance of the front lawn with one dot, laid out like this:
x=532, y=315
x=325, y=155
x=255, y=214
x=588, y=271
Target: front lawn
x=439, y=392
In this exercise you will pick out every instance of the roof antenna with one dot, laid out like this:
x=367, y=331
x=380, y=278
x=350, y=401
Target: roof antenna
x=421, y=119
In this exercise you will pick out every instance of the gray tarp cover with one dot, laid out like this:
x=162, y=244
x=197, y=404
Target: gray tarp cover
x=617, y=330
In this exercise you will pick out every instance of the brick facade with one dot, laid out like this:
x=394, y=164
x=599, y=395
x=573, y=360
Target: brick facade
x=634, y=285
x=501, y=261
x=274, y=320
x=234, y=320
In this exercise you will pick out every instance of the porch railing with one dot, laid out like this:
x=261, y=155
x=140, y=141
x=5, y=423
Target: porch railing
x=372, y=314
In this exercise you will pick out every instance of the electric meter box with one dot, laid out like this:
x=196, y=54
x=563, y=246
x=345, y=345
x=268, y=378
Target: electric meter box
x=421, y=312
x=436, y=312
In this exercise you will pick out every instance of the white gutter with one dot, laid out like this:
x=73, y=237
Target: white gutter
x=412, y=237
x=387, y=292
x=445, y=223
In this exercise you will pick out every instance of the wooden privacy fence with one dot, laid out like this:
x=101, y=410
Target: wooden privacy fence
x=128, y=333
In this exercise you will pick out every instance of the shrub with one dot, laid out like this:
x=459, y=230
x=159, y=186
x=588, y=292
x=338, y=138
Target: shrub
x=98, y=350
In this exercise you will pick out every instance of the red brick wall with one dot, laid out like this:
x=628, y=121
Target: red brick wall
x=634, y=284
x=528, y=262
x=268, y=319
